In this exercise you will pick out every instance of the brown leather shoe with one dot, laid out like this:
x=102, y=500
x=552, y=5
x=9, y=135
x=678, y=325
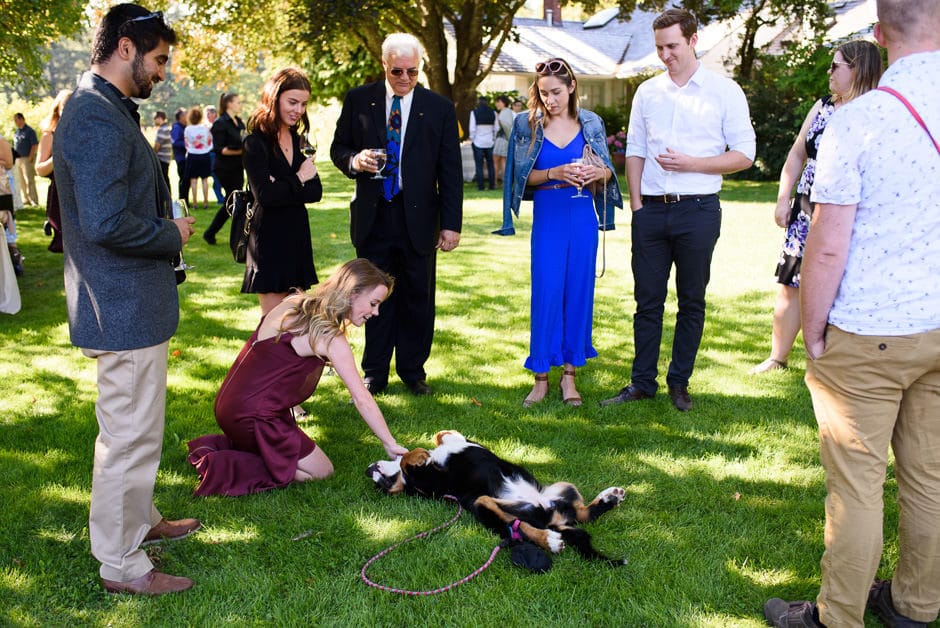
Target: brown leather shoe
x=171, y=530
x=151, y=583
x=626, y=394
x=680, y=398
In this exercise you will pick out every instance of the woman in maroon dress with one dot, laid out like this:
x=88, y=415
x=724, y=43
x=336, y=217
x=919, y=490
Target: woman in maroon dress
x=262, y=447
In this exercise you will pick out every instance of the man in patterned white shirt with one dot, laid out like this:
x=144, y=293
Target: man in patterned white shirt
x=871, y=325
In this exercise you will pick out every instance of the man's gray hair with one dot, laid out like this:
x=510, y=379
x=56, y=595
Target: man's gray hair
x=401, y=45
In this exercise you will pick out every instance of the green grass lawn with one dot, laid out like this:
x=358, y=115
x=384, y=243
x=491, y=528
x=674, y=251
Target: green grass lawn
x=724, y=504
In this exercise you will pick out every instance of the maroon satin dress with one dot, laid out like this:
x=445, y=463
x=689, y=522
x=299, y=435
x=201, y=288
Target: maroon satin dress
x=261, y=443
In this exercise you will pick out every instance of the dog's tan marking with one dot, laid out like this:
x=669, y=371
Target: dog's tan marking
x=439, y=437
x=537, y=535
x=415, y=458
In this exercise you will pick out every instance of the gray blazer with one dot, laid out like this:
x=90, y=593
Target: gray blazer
x=120, y=287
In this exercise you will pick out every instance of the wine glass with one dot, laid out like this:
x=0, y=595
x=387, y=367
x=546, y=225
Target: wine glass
x=308, y=145
x=181, y=210
x=579, y=162
x=379, y=155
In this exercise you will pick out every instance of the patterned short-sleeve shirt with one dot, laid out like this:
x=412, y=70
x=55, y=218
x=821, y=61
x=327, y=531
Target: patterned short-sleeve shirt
x=875, y=155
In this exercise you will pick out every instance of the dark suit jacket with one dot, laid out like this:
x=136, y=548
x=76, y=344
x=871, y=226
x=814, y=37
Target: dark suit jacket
x=432, y=175
x=120, y=288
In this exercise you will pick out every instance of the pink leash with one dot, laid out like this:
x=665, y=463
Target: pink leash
x=467, y=578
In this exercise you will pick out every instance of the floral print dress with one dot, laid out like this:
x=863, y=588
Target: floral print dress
x=791, y=257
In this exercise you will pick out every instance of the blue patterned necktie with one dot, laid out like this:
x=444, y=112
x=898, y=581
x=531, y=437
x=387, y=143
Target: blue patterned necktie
x=393, y=149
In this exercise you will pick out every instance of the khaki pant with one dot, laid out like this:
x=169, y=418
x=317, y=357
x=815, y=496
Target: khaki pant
x=25, y=172
x=870, y=392
x=130, y=410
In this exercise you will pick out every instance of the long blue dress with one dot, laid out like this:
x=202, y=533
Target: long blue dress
x=564, y=256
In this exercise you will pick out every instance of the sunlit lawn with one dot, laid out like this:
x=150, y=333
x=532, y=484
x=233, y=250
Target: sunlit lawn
x=724, y=504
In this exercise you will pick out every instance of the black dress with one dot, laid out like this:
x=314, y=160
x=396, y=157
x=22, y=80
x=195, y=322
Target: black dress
x=280, y=254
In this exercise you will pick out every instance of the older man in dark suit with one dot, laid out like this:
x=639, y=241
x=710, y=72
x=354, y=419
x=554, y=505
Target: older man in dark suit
x=400, y=222
x=120, y=288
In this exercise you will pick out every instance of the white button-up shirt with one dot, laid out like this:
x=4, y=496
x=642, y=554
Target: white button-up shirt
x=875, y=155
x=703, y=118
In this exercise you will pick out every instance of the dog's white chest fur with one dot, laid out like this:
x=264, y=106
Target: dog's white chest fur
x=517, y=489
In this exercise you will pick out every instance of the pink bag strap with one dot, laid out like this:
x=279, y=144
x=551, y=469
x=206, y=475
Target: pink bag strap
x=913, y=111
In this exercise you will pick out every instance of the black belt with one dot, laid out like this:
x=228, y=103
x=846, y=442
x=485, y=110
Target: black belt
x=675, y=198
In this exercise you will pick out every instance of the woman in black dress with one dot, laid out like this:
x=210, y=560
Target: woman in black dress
x=228, y=132
x=280, y=255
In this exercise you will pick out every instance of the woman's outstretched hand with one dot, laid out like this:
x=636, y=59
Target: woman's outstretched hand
x=394, y=450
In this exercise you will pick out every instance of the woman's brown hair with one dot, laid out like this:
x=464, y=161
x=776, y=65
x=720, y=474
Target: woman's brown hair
x=266, y=118
x=559, y=68
x=864, y=59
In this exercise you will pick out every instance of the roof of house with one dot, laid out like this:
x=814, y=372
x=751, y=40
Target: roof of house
x=606, y=47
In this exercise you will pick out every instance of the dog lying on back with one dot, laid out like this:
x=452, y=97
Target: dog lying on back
x=503, y=496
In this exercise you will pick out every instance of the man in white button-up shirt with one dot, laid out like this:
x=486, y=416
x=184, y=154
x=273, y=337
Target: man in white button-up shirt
x=870, y=307
x=688, y=127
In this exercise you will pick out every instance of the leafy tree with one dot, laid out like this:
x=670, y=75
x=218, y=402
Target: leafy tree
x=339, y=41
x=27, y=29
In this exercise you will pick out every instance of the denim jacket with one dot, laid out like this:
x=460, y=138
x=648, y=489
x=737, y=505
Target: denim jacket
x=521, y=158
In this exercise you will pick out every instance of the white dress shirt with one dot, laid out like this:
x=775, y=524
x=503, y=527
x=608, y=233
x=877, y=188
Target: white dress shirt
x=482, y=135
x=703, y=118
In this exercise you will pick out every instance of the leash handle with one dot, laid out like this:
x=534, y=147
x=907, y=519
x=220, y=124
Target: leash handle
x=421, y=535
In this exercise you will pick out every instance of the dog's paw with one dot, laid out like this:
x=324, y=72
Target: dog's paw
x=447, y=435
x=554, y=542
x=613, y=495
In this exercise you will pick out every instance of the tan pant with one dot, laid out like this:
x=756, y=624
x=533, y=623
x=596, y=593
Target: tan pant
x=25, y=172
x=870, y=392
x=130, y=410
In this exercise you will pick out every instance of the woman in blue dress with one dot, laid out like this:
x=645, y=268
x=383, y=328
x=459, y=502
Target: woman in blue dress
x=542, y=149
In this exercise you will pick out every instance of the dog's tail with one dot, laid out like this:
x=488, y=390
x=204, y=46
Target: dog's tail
x=580, y=540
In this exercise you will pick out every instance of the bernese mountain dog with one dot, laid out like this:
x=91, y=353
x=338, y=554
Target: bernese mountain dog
x=503, y=496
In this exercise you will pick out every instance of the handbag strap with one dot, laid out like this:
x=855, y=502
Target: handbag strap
x=590, y=151
x=913, y=111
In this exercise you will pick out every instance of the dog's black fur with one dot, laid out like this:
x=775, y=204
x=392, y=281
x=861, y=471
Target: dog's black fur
x=498, y=492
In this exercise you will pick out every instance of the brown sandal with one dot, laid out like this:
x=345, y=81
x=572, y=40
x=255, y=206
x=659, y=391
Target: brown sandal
x=529, y=401
x=570, y=401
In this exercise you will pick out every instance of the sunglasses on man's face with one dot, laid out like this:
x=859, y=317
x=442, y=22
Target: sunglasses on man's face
x=412, y=72
x=551, y=67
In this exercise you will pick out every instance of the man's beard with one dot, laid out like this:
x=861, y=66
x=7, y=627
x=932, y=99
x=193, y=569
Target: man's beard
x=142, y=81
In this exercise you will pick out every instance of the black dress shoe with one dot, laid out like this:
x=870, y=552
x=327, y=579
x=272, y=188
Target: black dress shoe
x=882, y=605
x=627, y=393
x=418, y=387
x=374, y=386
x=680, y=398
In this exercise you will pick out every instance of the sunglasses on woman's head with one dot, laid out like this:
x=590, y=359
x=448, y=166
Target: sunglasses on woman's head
x=551, y=67
x=412, y=72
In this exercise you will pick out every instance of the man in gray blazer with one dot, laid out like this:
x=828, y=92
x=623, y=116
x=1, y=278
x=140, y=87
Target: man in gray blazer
x=120, y=288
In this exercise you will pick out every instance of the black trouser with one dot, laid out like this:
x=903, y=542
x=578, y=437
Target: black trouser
x=682, y=233
x=405, y=323
x=184, y=180
x=230, y=181
x=479, y=155
x=165, y=169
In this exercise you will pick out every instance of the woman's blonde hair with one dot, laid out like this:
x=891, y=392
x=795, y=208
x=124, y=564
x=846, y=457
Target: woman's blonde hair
x=324, y=313
x=51, y=121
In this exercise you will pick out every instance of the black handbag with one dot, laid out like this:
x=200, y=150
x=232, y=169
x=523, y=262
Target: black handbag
x=240, y=206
